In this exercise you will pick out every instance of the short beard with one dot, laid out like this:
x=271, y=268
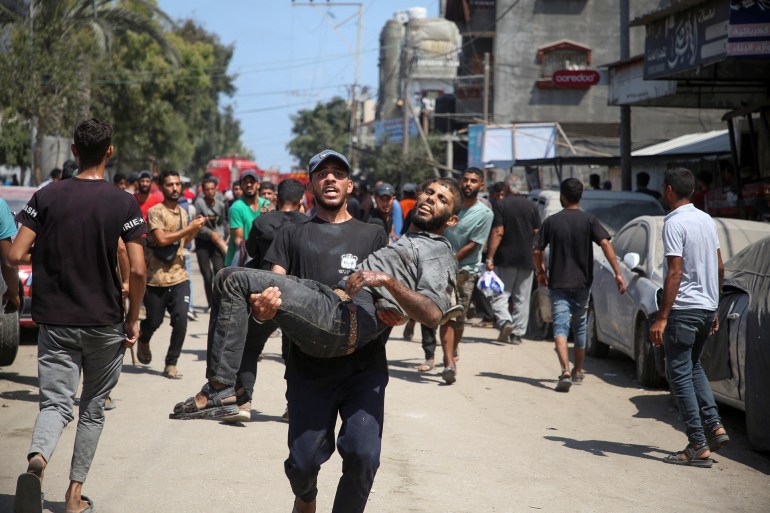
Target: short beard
x=470, y=195
x=432, y=223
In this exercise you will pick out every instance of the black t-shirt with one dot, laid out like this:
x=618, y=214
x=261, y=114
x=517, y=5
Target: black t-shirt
x=570, y=234
x=326, y=253
x=376, y=218
x=74, y=262
x=263, y=231
x=519, y=218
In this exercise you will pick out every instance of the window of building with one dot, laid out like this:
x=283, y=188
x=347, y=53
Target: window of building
x=561, y=55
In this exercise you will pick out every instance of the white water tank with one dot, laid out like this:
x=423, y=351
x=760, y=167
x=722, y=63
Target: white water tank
x=417, y=13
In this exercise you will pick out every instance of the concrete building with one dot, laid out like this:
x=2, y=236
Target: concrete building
x=546, y=60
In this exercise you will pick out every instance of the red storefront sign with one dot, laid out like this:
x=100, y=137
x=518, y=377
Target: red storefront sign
x=571, y=79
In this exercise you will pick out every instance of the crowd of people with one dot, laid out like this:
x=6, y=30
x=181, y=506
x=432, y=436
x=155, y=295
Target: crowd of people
x=335, y=280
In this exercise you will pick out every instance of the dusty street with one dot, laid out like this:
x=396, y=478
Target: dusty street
x=498, y=440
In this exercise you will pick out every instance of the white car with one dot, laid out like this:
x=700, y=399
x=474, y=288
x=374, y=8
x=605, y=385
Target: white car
x=622, y=321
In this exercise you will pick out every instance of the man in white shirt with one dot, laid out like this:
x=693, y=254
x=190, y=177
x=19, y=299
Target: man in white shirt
x=687, y=316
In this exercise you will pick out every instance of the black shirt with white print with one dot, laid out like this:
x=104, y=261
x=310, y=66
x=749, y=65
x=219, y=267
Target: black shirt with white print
x=74, y=260
x=328, y=252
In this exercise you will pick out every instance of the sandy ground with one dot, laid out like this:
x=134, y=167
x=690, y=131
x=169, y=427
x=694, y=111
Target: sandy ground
x=498, y=440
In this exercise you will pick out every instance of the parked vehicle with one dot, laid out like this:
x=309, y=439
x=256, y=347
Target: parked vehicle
x=737, y=357
x=621, y=321
x=613, y=208
x=16, y=198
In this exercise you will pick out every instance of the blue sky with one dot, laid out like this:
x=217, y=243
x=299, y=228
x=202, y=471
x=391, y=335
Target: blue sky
x=288, y=58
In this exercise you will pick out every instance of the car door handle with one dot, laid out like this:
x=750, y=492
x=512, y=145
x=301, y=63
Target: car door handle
x=733, y=316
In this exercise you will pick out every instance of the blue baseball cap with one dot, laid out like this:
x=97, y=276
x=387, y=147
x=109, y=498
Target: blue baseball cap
x=325, y=155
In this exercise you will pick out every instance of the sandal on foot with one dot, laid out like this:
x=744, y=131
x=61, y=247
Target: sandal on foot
x=215, y=406
x=449, y=375
x=565, y=382
x=716, y=441
x=90, y=508
x=577, y=377
x=690, y=456
x=427, y=366
x=143, y=353
x=29, y=497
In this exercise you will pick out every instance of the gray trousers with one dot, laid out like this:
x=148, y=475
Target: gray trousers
x=518, y=286
x=63, y=352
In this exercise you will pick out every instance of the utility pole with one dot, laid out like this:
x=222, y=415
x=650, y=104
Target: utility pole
x=356, y=88
x=486, y=88
x=405, y=107
x=625, y=110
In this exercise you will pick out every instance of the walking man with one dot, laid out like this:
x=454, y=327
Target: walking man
x=241, y=216
x=210, y=245
x=467, y=239
x=145, y=195
x=510, y=256
x=263, y=230
x=571, y=234
x=168, y=286
x=687, y=316
x=75, y=226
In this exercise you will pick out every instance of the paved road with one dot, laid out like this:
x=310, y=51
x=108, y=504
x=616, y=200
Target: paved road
x=499, y=440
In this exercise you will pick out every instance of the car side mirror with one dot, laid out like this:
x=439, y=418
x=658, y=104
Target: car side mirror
x=632, y=260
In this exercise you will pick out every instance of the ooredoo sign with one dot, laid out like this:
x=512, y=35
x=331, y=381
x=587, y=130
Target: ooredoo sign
x=578, y=78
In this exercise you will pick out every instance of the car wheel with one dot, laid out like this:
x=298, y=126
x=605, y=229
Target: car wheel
x=594, y=347
x=9, y=338
x=646, y=372
x=537, y=327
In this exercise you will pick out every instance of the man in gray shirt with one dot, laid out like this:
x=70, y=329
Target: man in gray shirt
x=414, y=277
x=210, y=243
x=686, y=317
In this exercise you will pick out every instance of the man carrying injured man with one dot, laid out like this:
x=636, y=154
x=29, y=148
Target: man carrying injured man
x=411, y=278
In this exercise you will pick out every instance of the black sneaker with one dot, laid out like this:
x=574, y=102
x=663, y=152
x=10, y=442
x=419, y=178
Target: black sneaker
x=515, y=340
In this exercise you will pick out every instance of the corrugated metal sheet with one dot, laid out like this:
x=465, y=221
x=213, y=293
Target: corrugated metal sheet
x=707, y=143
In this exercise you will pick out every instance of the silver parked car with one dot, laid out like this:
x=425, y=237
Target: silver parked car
x=737, y=358
x=621, y=321
x=613, y=209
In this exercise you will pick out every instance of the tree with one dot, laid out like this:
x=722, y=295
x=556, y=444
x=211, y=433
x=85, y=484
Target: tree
x=325, y=126
x=45, y=68
x=386, y=162
x=169, y=114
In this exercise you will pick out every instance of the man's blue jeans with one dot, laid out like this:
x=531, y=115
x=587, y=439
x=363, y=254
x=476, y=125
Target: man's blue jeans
x=686, y=334
x=569, y=308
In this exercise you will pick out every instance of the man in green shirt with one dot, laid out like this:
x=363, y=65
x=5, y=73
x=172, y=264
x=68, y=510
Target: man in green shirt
x=467, y=239
x=242, y=214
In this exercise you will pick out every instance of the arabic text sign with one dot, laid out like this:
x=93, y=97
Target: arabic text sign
x=687, y=39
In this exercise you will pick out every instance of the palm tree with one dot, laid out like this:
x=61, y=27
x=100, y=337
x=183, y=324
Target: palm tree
x=50, y=79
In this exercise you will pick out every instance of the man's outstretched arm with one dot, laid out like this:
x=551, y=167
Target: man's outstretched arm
x=416, y=305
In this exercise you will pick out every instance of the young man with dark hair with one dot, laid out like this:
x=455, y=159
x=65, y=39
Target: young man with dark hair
x=120, y=181
x=382, y=215
x=267, y=191
x=241, y=215
x=75, y=225
x=210, y=245
x=570, y=235
x=145, y=196
x=263, y=230
x=509, y=255
x=467, y=237
x=642, y=183
x=687, y=316
x=168, y=286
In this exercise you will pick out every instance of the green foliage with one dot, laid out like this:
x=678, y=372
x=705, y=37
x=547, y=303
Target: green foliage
x=15, y=143
x=122, y=60
x=327, y=126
